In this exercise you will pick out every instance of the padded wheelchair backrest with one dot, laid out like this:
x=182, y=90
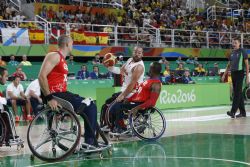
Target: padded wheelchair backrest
x=64, y=103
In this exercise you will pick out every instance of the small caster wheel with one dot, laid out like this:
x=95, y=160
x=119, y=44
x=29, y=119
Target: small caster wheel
x=101, y=156
x=18, y=147
x=54, y=152
x=22, y=145
x=110, y=152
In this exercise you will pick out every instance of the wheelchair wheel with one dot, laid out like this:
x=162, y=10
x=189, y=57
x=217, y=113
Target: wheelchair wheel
x=54, y=135
x=2, y=131
x=108, y=116
x=149, y=124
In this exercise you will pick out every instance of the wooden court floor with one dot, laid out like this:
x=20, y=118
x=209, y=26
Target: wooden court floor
x=195, y=137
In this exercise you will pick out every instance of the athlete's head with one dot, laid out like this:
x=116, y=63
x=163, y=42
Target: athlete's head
x=155, y=69
x=236, y=43
x=3, y=75
x=65, y=42
x=137, y=53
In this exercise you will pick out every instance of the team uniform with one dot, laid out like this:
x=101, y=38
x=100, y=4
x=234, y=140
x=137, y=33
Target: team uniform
x=128, y=67
x=142, y=97
x=57, y=81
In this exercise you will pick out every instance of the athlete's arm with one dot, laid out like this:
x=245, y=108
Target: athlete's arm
x=50, y=61
x=136, y=74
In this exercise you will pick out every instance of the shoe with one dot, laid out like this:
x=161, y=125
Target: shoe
x=241, y=115
x=29, y=118
x=232, y=115
x=17, y=118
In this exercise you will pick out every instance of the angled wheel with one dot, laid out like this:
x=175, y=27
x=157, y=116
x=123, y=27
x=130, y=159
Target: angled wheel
x=149, y=124
x=2, y=130
x=52, y=136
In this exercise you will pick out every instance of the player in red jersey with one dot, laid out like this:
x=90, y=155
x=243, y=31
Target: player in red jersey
x=145, y=97
x=53, y=82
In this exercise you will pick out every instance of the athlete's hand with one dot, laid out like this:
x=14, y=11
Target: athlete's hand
x=134, y=111
x=120, y=98
x=53, y=105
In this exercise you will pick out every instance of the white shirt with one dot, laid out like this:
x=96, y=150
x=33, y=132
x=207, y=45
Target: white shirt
x=127, y=78
x=15, y=90
x=35, y=87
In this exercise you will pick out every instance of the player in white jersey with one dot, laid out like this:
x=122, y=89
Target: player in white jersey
x=133, y=73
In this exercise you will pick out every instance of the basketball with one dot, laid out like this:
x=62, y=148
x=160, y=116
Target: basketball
x=109, y=60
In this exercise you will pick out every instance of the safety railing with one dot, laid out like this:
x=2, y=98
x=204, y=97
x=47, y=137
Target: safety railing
x=114, y=35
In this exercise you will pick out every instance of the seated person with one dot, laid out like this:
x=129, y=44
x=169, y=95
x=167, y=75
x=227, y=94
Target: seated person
x=179, y=71
x=12, y=61
x=3, y=102
x=145, y=97
x=96, y=60
x=95, y=73
x=33, y=93
x=214, y=71
x=83, y=73
x=25, y=62
x=186, y=79
x=71, y=61
x=180, y=61
x=20, y=74
x=16, y=97
x=200, y=71
x=166, y=74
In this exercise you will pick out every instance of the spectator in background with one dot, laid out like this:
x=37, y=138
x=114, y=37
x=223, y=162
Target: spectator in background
x=12, y=61
x=120, y=60
x=83, y=73
x=196, y=62
x=200, y=71
x=179, y=71
x=70, y=61
x=166, y=74
x=96, y=61
x=16, y=97
x=33, y=94
x=163, y=61
x=186, y=78
x=190, y=60
x=19, y=73
x=25, y=62
x=95, y=74
x=214, y=71
x=180, y=61
x=2, y=63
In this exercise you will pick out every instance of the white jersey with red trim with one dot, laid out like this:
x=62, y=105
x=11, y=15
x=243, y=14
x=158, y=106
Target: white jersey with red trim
x=127, y=77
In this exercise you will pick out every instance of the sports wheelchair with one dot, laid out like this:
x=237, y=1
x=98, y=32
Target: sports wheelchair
x=147, y=124
x=54, y=135
x=8, y=135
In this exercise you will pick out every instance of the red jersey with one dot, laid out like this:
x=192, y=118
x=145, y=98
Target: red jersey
x=57, y=78
x=144, y=91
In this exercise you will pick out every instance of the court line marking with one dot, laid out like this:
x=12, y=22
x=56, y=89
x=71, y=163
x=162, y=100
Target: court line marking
x=144, y=157
x=202, y=118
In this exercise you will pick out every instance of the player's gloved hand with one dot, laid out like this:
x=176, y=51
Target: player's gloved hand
x=87, y=101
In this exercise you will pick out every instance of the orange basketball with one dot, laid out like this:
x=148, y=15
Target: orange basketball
x=109, y=60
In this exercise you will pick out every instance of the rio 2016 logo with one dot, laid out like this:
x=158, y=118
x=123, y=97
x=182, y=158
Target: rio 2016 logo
x=178, y=97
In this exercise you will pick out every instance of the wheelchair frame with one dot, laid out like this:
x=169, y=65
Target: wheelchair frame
x=15, y=140
x=131, y=131
x=78, y=146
